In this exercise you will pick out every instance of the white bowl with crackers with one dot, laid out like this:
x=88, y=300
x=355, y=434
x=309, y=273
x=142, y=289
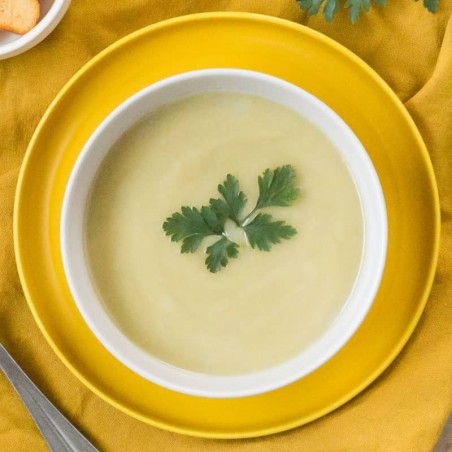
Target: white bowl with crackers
x=25, y=23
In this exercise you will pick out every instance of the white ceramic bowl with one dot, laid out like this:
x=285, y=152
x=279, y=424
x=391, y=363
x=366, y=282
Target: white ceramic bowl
x=72, y=232
x=52, y=11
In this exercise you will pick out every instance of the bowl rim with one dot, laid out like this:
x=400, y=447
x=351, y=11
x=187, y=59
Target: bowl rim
x=38, y=33
x=216, y=386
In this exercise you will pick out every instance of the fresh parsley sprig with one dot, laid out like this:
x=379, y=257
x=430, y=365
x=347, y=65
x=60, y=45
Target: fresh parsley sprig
x=191, y=226
x=355, y=7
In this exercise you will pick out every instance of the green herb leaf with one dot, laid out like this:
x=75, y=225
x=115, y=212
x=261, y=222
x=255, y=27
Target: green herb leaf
x=277, y=187
x=431, y=5
x=192, y=226
x=311, y=6
x=263, y=233
x=210, y=217
x=234, y=200
x=355, y=7
x=219, y=254
x=330, y=9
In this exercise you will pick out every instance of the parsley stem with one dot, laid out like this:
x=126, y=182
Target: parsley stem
x=249, y=217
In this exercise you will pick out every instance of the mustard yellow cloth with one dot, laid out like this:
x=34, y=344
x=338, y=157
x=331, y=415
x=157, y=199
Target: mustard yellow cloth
x=405, y=409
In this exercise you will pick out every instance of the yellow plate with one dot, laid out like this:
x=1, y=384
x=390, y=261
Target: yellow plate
x=306, y=59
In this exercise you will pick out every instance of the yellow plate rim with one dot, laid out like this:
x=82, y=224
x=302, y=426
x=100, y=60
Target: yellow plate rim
x=422, y=298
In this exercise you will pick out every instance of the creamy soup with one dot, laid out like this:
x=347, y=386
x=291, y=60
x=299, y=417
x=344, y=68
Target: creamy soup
x=264, y=307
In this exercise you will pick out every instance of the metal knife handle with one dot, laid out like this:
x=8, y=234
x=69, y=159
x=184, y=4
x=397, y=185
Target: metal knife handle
x=58, y=432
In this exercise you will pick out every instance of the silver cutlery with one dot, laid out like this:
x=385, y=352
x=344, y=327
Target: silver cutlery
x=59, y=434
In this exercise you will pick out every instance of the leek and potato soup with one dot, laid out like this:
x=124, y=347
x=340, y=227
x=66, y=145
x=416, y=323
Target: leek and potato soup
x=267, y=264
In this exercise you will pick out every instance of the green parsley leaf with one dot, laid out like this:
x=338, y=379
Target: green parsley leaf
x=192, y=226
x=431, y=5
x=277, y=187
x=311, y=6
x=330, y=9
x=355, y=7
x=234, y=199
x=210, y=217
x=263, y=233
x=219, y=254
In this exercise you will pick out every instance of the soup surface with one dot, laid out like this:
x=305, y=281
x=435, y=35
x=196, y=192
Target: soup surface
x=264, y=307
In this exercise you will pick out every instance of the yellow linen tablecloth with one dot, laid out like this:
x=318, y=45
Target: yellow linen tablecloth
x=405, y=409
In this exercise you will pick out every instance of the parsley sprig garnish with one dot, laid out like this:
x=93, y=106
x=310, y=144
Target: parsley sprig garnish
x=355, y=7
x=191, y=225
